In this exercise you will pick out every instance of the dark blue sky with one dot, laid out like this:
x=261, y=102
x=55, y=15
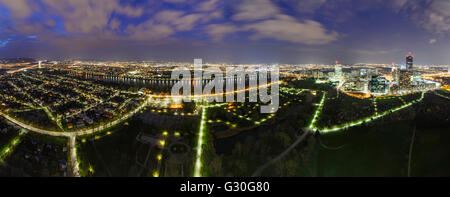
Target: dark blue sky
x=233, y=31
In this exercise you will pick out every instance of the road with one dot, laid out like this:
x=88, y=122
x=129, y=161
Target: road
x=72, y=135
x=77, y=133
x=312, y=128
x=364, y=120
x=73, y=157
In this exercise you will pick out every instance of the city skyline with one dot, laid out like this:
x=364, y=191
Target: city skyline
x=270, y=31
x=232, y=88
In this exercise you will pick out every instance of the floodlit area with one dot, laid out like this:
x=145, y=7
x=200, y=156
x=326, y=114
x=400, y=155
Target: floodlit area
x=89, y=124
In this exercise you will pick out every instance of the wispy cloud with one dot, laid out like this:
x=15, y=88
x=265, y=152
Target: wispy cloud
x=251, y=10
x=218, y=31
x=3, y=43
x=286, y=28
x=432, y=15
x=432, y=41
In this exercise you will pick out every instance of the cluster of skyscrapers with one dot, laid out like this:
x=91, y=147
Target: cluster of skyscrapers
x=399, y=80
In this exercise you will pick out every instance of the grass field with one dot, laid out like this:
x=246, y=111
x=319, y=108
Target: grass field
x=383, y=151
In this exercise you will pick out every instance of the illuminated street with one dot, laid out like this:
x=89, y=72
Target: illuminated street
x=99, y=89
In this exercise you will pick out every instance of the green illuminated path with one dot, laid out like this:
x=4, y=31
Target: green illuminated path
x=357, y=122
x=314, y=128
x=73, y=156
x=8, y=149
x=318, y=111
x=198, y=158
x=201, y=133
x=71, y=135
x=442, y=96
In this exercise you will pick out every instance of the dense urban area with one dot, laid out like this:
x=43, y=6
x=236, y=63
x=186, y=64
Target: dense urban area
x=105, y=119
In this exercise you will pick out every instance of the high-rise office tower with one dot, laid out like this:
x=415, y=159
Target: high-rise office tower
x=409, y=61
x=337, y=71
x=395, y=74
x=404, y=79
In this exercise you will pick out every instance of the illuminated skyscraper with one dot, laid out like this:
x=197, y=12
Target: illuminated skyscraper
x=409, y=61
x=378, y=85
x=337, y=71
x=404, y=81
x=416, y=78
x=395, y=73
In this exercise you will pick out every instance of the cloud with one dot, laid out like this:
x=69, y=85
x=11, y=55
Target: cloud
x=306, y=6
x=432, y=15
x=3, y=43
x=399, y=3
x=149, y=31
x=168, y=22
x=437, y=16
x=178, y=19
x=286, y=28
x=432, y=41
x=87, y=16
x=114, y=24
x=87, y=23
x=264, y=19
x=209, y=5
x=175, y=1
x=218, y=31
x=18, y=8
x=251, y=10
x=186, y=21
x=168, y=16
x=24, y=27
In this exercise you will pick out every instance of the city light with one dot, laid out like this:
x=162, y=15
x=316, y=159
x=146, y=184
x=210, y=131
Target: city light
x=198, y=160
x=224, y=89
x=317, y=112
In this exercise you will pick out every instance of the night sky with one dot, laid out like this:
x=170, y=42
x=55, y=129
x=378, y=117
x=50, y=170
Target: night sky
x=229, y=31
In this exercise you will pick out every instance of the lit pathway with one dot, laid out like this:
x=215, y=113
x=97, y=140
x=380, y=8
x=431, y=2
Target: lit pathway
x=198, y=158
x=374, y=100
x=47, y=112
x=446, y=97
x=401, y=98
x=8, y=148
x=73, y=156
x=81, y=132
x=318, y=111
x=358, y=122
x=314, y=128
x=72, y=135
